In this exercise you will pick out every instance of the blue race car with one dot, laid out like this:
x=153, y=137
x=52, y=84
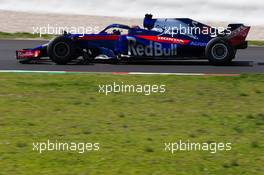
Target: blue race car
x=162, y=39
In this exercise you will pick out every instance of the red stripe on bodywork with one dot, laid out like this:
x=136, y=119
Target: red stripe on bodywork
x=164, y=39
x=100, y=37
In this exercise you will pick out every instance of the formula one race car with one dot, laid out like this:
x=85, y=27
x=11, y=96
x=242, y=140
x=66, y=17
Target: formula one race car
x=162, y=39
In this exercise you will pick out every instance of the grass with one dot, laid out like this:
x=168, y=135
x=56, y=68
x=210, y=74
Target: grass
x=131, y=128
x=24, y=35
x=256, y=43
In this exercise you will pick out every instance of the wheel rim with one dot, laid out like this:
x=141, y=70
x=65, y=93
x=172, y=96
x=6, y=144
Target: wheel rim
x=219, y=51
x=61, y=49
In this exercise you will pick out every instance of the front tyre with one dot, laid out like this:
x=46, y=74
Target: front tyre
x=62, y=50
x=219, y=52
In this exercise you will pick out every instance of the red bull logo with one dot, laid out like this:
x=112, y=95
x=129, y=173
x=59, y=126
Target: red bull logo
x=152, y=49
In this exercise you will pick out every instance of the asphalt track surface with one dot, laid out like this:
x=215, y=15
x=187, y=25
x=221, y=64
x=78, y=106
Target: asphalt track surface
x=250, y=60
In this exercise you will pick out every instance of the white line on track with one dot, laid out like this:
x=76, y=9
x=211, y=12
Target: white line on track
x=115, y=73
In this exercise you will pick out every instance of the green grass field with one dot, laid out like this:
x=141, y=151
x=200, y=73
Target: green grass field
x=256, y=43
x=131, y=128
x=23, y=35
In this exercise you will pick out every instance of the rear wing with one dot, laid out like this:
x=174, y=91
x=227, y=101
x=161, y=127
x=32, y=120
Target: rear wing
x=238, y=35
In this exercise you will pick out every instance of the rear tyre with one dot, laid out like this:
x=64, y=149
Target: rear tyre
x=219, y=52
x=233, y=55
x=62, y=50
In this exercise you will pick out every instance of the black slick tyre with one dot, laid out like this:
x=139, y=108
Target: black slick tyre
x=219, y=52
x=62, y=50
